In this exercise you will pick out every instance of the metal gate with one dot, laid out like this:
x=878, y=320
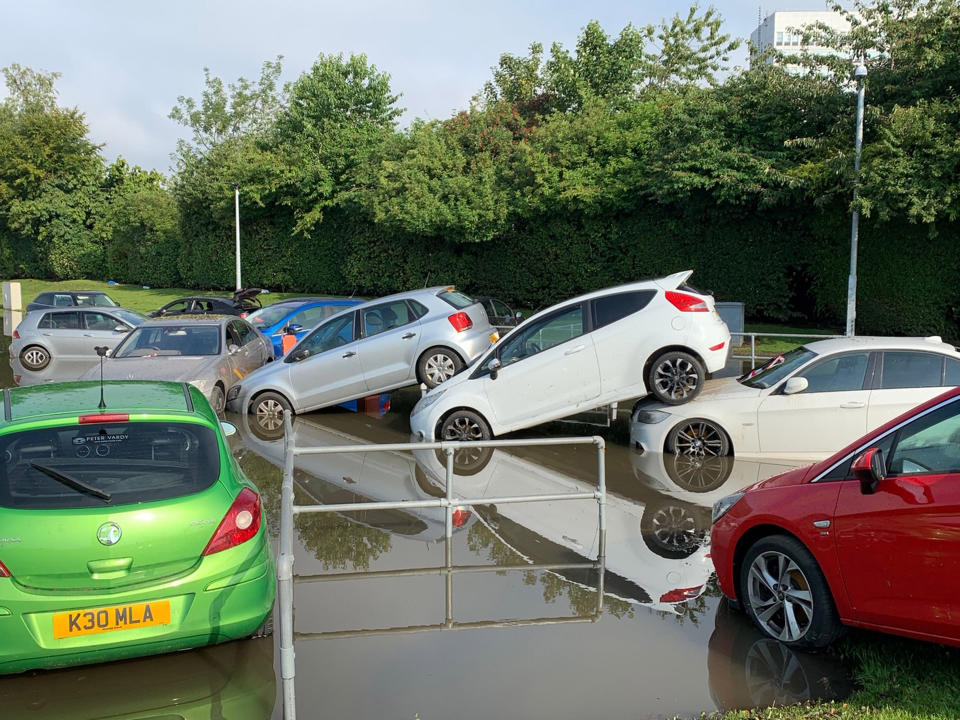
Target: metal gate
x=450, y=501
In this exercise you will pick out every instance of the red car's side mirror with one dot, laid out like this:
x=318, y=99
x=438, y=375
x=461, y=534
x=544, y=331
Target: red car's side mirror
x=869, y=470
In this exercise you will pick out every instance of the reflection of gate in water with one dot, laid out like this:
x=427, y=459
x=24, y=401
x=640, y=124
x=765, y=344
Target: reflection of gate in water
x=449, y=502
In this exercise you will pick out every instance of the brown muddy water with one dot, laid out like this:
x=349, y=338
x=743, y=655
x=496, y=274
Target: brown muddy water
x=378, y=639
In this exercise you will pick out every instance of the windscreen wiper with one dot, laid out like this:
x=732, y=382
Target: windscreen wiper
x=72, y=483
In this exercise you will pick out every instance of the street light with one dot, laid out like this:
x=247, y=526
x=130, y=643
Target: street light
x=236, y=209
x=860, y=74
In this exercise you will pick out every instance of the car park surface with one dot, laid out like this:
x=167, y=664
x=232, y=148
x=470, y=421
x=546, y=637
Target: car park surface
x=419, y=336
x=804, y=404
x=298, y=314
x=656, y=336
x=71, y=298
x=69, y=336
x=212, y=353
x=128, y=529
x=863, y=538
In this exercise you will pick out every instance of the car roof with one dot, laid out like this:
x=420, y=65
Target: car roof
x=58, y=400
x=185, y=319
x=307, y=300
x=221, y=298
x=868, y=342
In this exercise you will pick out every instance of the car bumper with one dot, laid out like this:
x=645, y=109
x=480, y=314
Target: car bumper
x=226, y=597
x=472, y=343
x=650, y=437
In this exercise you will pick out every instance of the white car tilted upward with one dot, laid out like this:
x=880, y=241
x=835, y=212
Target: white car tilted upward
x=657, y=336
x=804, y=404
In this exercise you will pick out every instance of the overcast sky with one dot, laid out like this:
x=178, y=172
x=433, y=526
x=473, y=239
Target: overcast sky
x=125, y=62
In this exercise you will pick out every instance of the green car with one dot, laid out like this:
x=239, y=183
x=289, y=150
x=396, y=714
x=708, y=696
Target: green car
x=124, y=531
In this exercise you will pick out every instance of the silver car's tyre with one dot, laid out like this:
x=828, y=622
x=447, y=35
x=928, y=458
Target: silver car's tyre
x=786, y=595
x=675, y=377
x=34, y=357
x=218, y=400
x=268, y=409
x=464, y=425
x=699, y=438
x=437, y=365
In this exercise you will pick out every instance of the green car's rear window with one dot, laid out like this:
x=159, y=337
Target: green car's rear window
x=132, y=462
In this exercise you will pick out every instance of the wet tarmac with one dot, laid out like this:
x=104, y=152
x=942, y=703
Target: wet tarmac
x=395, y=621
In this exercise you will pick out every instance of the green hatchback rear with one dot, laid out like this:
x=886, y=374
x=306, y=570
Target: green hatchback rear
x=126, y=530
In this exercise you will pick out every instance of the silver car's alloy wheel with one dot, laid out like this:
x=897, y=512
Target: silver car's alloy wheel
x=700, y=439
x=462, y=428
x=438, y=368
x=779, y=595
x=676, y=378
x=269, y=414
x=35, y=357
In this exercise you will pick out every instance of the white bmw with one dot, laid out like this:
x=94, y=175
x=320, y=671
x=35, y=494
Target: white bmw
x=658, y=336
x=804, y=404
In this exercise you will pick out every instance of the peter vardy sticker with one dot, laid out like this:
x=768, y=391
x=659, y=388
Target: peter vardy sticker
x=120, y=437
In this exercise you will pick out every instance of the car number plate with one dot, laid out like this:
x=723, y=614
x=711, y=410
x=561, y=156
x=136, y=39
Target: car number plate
x=108, y=619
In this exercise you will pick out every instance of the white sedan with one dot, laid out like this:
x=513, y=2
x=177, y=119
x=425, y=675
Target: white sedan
x=804, y=404
x=657, y=336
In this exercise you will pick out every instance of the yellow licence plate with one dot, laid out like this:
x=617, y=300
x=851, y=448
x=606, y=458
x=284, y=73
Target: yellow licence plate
x=108, y=619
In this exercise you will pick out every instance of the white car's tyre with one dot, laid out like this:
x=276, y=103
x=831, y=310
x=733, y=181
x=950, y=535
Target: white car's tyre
x=464, y=425
x=675, y=377
x=698, y=438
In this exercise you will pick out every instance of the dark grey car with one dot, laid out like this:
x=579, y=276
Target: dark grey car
x=72, y=298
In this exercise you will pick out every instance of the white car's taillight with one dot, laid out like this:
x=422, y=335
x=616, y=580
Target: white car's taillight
x=685, y=302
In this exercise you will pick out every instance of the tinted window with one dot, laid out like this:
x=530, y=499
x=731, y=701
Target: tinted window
x=65, y=321
x=243, y=333
x=929, y=444
x=539, y=336
x=311, y=317
x=171, y=340
x=456, y=298
x=135, y=462
x=330, y=335
x=951, y=374
x=63, y=300
x=45, y=298
x=836, y=374
x=381, y=318
x=95, y=299
x=417, y=309
x=175, y=308
x=46, y=322
x=842, y=471
x=615, y=307
x=99, y=321
x=911, y=369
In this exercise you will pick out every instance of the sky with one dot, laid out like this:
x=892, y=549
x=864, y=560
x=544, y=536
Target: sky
x=124, y=63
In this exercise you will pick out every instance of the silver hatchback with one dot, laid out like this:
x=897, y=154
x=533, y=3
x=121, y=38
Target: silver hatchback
x=69, y=335
x=418, y=336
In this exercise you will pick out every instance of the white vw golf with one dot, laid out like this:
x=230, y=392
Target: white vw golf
x=657, y=336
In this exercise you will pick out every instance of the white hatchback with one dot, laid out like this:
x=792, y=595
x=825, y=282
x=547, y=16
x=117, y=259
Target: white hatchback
x=657, y=336
x=804, y=404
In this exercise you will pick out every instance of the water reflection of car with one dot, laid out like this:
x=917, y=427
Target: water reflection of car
x=305, y=313
x=352, y=477
x=864, y=538
x=655, y=336
x=127, y=528
x=648, y=567
x=418, y=336
x=804, y=404
x=233, y=680
x=748, y=669
x=213, y=353
x=69, y=335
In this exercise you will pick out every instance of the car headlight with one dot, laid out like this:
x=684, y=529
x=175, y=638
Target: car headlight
x=721, y=506
x=233, y=393
x=427, y=400
x=651, y=417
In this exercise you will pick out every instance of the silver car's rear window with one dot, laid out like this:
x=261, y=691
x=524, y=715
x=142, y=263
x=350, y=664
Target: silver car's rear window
x=456, y=298
x=131, y=462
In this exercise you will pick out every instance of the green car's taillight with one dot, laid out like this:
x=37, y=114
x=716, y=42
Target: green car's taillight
x=241, y=523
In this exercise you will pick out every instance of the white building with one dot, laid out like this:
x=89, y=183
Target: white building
x=783, y=31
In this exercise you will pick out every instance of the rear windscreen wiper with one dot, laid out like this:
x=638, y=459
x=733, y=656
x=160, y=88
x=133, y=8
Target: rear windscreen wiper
x=72, y=482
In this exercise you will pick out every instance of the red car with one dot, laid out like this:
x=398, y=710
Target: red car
x=869, y=537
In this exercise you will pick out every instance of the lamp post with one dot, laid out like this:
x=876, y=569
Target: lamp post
x=860, y=73
x=236, y=209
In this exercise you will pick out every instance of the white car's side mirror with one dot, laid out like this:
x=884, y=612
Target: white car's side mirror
x=795, y=385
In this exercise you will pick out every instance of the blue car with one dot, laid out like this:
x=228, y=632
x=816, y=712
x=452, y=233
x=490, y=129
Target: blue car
x=306, y=313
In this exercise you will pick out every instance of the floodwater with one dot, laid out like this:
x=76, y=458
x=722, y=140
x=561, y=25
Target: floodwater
x=395, y=621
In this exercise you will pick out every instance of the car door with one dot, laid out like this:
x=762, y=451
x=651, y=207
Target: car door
x=66, y=336
x=249, y=354
x=830, y=413
x=548, y=369
x=899, y=547
x=325, y=366
x=907, y=378
x=389, y=339
x=100, y=328
x=619, y=341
